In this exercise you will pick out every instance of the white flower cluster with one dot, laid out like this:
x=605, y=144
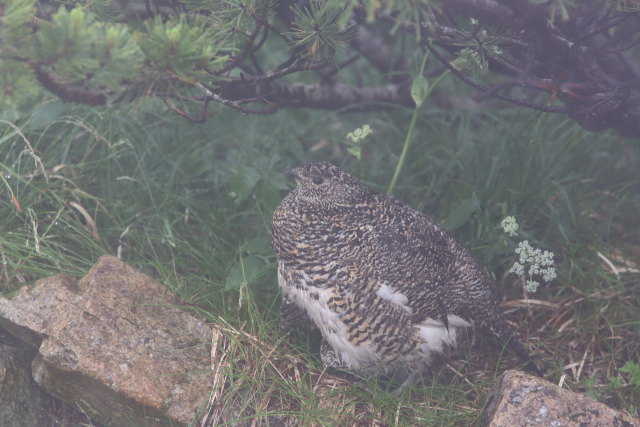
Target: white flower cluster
x=509, y=225
x=359, y=134
x=533, y=261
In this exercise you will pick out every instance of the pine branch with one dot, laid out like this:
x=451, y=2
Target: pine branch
x=596, y=82
x=337, y=96
x=260, y=20
x=487, y=90
x=67, y=93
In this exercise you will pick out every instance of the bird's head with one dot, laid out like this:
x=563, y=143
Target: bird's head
x=325, y=186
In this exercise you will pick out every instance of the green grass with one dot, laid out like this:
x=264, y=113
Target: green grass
x=191, y=205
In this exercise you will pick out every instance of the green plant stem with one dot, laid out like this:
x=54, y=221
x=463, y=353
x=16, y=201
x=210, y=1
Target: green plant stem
x=409, y=136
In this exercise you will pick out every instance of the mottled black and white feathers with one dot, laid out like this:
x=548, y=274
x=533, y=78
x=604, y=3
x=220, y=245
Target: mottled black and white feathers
x=385, y=284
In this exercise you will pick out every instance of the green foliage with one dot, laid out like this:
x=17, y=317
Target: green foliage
x=181, y=47
x=462, y=213
x=76, y=51
x=15, y=21
x=17, y=88
x=419, y=89
x=73, y=48
x=16, y=80
x=75, y=45
x=633, y=369
x=473, y=57
x=320, y=29
x=248, y=270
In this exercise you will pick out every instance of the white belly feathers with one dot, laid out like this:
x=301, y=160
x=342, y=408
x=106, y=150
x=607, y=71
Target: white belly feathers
x=433, y=332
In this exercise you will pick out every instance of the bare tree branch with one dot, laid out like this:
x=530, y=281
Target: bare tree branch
x=525, y=52
x=493, y=92
x=337, y=96
x=68, y=92
x=578, y=62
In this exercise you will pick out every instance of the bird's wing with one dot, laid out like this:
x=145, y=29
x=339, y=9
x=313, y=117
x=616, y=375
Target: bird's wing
x=416, y=259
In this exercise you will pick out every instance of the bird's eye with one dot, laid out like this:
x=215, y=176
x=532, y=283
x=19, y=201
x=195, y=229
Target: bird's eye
x=317, y=180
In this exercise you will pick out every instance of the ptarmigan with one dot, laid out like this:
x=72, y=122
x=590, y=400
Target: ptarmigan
x=385, y=284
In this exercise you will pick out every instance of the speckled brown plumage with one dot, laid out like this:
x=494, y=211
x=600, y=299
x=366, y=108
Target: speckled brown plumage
x=385, y=284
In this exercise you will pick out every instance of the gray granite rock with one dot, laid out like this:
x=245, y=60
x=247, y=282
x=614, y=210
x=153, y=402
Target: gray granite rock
x=523, y=400
x=115, y=343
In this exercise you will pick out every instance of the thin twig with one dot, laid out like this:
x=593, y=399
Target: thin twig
x=620, y=19
x=234, y=61
x=237, y=105
x=277, y=73
x=478, y=86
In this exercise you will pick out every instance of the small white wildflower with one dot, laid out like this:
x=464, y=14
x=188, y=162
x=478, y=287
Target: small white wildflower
x=510, y=226
x=523, y=250
x=531, y=261
x=474, y=21
x=517, y=269
x=528, y=254
x=360, y=134
x=534, y=262
x=546, y=259
x=532, y=286
x=548, y=274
